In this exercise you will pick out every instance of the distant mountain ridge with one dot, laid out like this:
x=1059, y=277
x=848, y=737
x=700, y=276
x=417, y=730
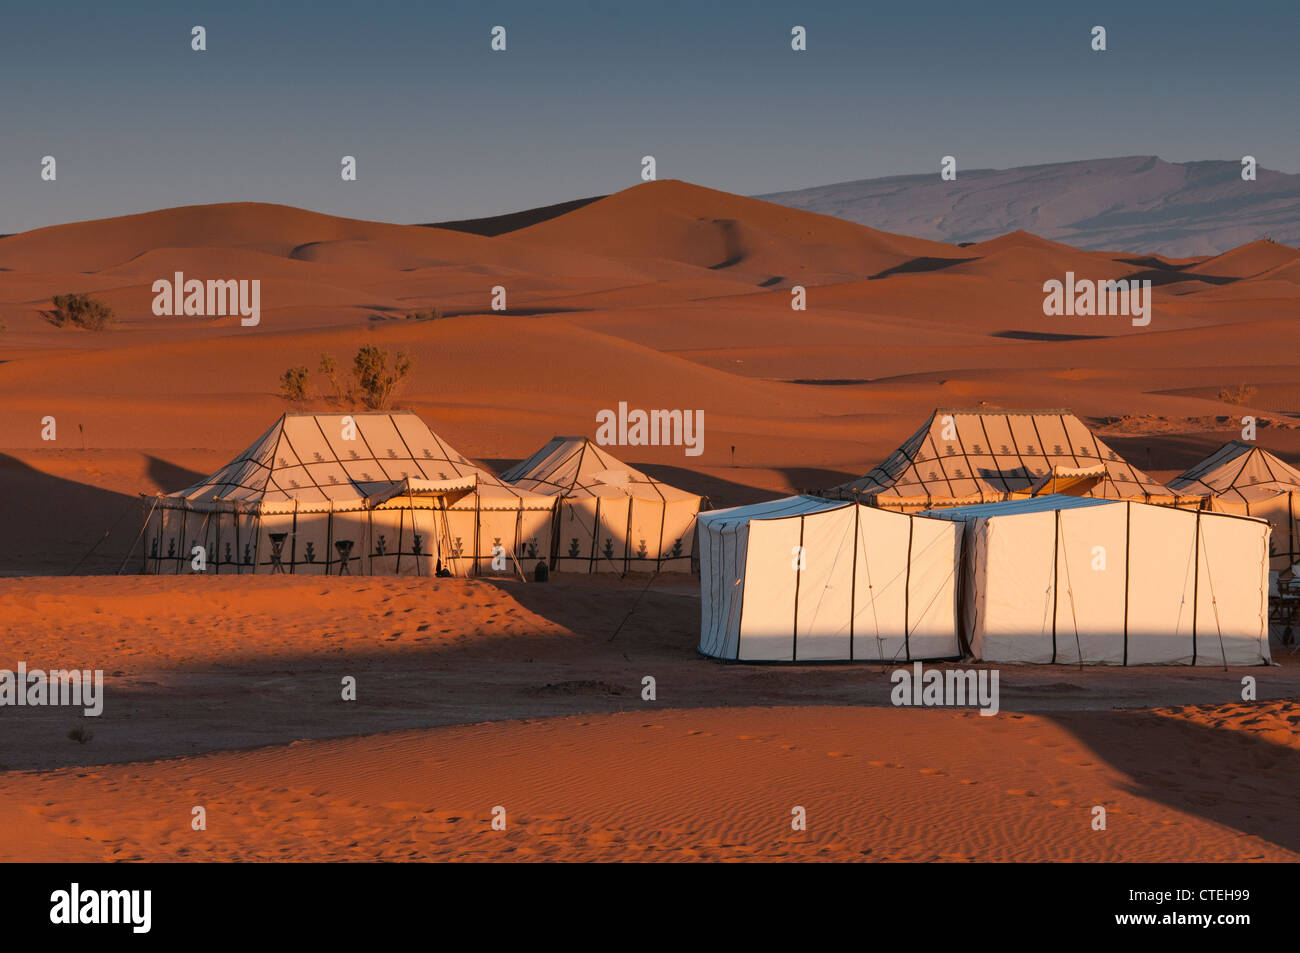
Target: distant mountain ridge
x=1129, y=204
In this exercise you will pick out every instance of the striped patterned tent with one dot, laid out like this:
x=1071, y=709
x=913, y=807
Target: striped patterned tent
x=1247, y=479
x=961, y=457
x=339, y=494
x=610, y=517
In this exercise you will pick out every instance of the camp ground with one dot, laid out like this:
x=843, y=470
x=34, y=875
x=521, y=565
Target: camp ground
x=609, y=517
x=1087, y=581
x=808, y=579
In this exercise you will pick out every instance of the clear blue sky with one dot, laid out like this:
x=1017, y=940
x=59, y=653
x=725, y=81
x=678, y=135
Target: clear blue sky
x=444, y=128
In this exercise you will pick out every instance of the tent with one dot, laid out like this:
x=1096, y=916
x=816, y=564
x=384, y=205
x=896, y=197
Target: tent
x=974, y=456
x=1063, y=579
x=339, y=494
x=1244, y=478
x=610, y=517
x=871, y=584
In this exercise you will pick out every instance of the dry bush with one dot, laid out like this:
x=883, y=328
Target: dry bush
x=375, y=383
x=1241, y=394
x=294, y=384
x=79, y=311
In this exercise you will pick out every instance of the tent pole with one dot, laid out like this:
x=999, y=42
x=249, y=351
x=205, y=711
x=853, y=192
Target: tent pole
x=329, y=536
x=410, y=502
x=907, y=593
x=627, y=539
x=798, y=577
x=519, y=515
x=137, y=538
x=1056, y=546
x=1128, y=519
x=1196, y=579
x=853, y=583
x=293, y=540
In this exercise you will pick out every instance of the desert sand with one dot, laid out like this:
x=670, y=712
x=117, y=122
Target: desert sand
x=472, y=693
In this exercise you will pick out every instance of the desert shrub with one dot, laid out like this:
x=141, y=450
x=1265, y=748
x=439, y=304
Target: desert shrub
x=1241, y=394
x=293, y=384
x=79, y=311
x=330, y=369
x=375, y=384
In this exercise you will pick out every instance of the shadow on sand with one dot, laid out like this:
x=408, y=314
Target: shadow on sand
x=1222, y=775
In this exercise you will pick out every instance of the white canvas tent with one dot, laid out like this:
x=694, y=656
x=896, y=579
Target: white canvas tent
x=872, y=585
x=1064, y=579
x=314, y=495
x=959, y=457
x=610, y=517
x=1247, y=479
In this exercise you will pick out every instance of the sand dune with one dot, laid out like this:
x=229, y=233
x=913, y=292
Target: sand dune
x=1249, y=260
x=666, y=295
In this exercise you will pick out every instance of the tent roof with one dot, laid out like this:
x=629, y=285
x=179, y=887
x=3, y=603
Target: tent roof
x=982, y=456
x=304, y=459
x=1035, y=504
x=576, y=467
x=1058, y=501
x=772, y=509
x=1239, y=471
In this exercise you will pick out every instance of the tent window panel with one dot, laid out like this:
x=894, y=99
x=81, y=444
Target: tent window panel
x=679, y=534
x=1091, y=576
x=932, y=594
x=1014, y=604
x=534, y=535
x=1232, y=593
x=767, y=623
x=391, y=542
x=612, y=536
x=880, y=587
x=456, y=540
x=644, y=540
x=826, y=586
x=172, y=550
x=497, y=528
x=273, y=552
x=347, y=548
x=1162, y=579
x=577, y=543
